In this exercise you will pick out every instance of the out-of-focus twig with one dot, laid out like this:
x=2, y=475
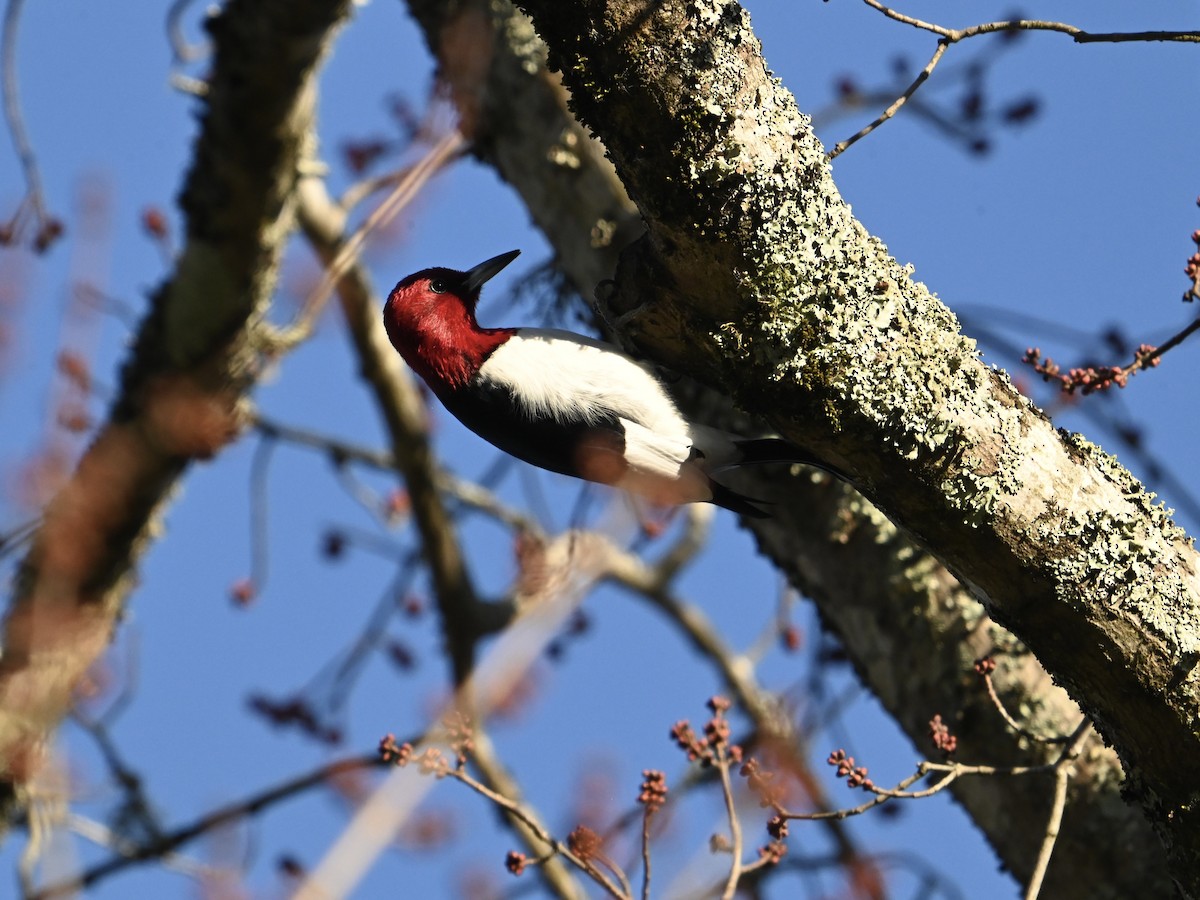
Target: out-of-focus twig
x=48, y=228
x=404, y=415
x=469, y=493
x=189, y=365
x=250, y=806
x=568, y=566
x=445, y=151
x=183, y=50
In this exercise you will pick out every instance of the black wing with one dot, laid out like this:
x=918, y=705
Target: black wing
x=593, y=449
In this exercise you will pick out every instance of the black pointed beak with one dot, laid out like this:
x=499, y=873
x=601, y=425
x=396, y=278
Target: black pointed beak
x=485, y=270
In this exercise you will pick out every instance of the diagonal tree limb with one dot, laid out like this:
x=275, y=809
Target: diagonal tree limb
x=755, y=276
x=910, y=627
x=194, y=357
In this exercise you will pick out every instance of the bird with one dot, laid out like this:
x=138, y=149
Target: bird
x=565, y=402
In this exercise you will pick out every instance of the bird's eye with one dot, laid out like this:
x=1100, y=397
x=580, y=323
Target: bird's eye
x=438, y=286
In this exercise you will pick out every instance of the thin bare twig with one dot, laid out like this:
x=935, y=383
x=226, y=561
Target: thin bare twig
x=1013, y=723
x=948, y=36
x=531, y=822
x=921, y=78
x=1078, y=34
x=646, y=813
x=528, y=826
x=1062, y=775
x=18, y=536
x=735, y=825
x=572, y=564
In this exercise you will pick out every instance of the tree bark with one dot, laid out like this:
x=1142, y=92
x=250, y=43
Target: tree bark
x=755, y=278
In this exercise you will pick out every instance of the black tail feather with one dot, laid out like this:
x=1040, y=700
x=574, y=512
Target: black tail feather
x=760, y=451
x=731, y=500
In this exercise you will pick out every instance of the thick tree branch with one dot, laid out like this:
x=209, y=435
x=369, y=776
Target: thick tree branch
x=910, y=627
x=756, y=277
x=193, y=358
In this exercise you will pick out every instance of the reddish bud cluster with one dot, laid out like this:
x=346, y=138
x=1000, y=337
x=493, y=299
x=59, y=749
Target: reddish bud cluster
x=777, y=827
x=773, y=852
x=154, y=223
x=585, y=843
x=49, y=229
x=685, y=738
x=856, y=776
x=47, y=235
x=361, y=155
x=792, y=638
x=653, y=792
x=939, y=733
x=396, y=754
x=1089, y=379
x=433, y=762
x=396, y=506
x=985, y=665
x=716, y=735
x=76, y=370
x=1192, y=269
x=243, y=592
x=515, y=862
x=716, y=731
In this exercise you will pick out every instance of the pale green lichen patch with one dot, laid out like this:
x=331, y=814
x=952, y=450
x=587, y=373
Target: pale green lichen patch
x=823, y=311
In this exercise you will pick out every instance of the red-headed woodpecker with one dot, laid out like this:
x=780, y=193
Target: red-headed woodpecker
x=562, y=401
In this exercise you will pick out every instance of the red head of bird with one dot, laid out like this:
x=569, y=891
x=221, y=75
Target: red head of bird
x=430, y=319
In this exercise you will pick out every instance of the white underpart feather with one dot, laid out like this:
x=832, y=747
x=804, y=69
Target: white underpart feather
x=557, y=373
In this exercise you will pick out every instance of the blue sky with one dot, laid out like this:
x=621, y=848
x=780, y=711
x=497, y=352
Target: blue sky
x=1081, y=216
